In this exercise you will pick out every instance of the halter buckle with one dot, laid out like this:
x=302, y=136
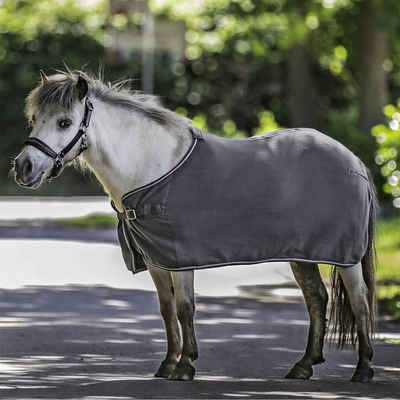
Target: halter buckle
x=130, y=214
x=83, y=146
x=58, y=161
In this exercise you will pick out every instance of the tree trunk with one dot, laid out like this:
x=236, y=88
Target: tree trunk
x=303, y=98
x=372, y=76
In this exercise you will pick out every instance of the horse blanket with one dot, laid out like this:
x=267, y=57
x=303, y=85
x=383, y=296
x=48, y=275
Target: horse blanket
x=287, y=195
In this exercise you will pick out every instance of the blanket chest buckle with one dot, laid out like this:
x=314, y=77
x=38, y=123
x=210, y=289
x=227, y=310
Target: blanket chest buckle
x=130, y=214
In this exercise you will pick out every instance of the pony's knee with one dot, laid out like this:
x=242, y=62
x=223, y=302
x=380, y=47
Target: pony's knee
x=167, y=309
x=184, y=294
x=185, y=310
x=323, y=294
x=318, y=302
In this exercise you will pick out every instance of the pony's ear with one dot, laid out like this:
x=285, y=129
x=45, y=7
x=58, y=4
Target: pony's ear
x=82, y=87
x=43, y=76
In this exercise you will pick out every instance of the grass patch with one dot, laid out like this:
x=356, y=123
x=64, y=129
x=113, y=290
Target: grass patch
x=92, y=221
x=390, y=340
x=388, y=271
x=388, y=249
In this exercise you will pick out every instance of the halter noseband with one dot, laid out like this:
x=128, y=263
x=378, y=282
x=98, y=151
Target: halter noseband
x=59, y=157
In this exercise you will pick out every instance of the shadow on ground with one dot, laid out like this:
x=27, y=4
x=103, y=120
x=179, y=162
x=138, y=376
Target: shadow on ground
x=99, y=342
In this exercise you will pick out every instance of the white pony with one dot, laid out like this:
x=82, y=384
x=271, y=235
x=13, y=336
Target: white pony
x=129, y=141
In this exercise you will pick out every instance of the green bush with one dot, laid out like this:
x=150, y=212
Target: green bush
x=387, y=137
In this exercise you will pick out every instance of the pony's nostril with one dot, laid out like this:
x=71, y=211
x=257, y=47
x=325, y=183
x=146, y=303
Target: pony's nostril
x=23, y=168
x=27, y=168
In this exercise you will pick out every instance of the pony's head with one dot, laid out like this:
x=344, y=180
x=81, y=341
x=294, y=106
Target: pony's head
x=57, y=109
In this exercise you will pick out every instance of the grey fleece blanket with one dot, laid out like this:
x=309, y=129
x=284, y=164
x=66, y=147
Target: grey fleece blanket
x=287, y=195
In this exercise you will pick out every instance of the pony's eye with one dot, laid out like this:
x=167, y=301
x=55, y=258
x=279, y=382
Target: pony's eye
x=64, y=123
x=32, y=120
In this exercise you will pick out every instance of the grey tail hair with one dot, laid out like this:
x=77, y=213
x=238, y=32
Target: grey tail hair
x=341, y=321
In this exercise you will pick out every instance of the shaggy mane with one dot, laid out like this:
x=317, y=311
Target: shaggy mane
x=60, y=89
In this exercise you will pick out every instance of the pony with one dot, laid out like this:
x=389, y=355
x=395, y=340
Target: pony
x=130, y=142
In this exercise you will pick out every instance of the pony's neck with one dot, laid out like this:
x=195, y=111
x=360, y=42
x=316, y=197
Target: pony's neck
x=127, y=150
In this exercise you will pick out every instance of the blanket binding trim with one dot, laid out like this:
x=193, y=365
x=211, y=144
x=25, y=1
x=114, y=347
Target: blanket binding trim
x=351, y=171
x=227, y=264
x=167, y=174
x=131, y=251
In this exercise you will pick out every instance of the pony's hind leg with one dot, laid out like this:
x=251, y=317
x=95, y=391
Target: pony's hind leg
x=358, y=295
x=316, y=299
x=184, y=294
x=163, y=281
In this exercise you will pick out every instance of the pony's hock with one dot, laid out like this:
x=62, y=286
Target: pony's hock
x=187, y=200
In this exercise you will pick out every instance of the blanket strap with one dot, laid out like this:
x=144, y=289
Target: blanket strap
x=145, y=210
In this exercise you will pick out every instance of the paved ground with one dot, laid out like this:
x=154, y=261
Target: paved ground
x=100, y=342
x=103, y=339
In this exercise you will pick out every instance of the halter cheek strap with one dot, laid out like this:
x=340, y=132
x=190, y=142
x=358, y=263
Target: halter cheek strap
x=59, y=157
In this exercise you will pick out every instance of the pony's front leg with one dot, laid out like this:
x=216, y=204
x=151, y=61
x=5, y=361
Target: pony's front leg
x=357, y=291
x=163, y=281
x=184, y=296
x=316, y=299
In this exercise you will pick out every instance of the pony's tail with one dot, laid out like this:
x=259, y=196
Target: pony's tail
x=341, y=318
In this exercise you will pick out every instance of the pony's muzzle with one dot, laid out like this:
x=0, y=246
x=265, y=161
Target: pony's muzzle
x=27, y=173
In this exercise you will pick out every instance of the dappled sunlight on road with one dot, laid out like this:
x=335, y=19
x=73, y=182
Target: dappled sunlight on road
x=101, y=342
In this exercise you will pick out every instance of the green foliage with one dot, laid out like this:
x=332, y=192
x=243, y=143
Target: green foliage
x=238, y=51
x=267, y=122
x=387, y=137
x=389, y=304
x=28, y=18
x=235, y=52
x=33, y=35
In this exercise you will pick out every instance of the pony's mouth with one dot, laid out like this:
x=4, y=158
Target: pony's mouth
x=33, y=184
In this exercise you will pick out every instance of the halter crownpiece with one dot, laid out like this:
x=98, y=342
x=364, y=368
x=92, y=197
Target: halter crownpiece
x=59, y=157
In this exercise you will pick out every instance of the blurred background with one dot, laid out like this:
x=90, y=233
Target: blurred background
x=237, y=68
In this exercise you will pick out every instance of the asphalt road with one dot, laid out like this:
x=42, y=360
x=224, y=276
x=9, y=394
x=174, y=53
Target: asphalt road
x=76, y=325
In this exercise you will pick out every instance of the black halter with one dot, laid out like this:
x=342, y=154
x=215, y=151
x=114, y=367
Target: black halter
x=59, y=157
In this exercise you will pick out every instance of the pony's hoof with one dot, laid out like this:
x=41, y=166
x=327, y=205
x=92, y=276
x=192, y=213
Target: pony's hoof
x=183, y=372
x=165, y=369
x=363, y=375
x=300, y=372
